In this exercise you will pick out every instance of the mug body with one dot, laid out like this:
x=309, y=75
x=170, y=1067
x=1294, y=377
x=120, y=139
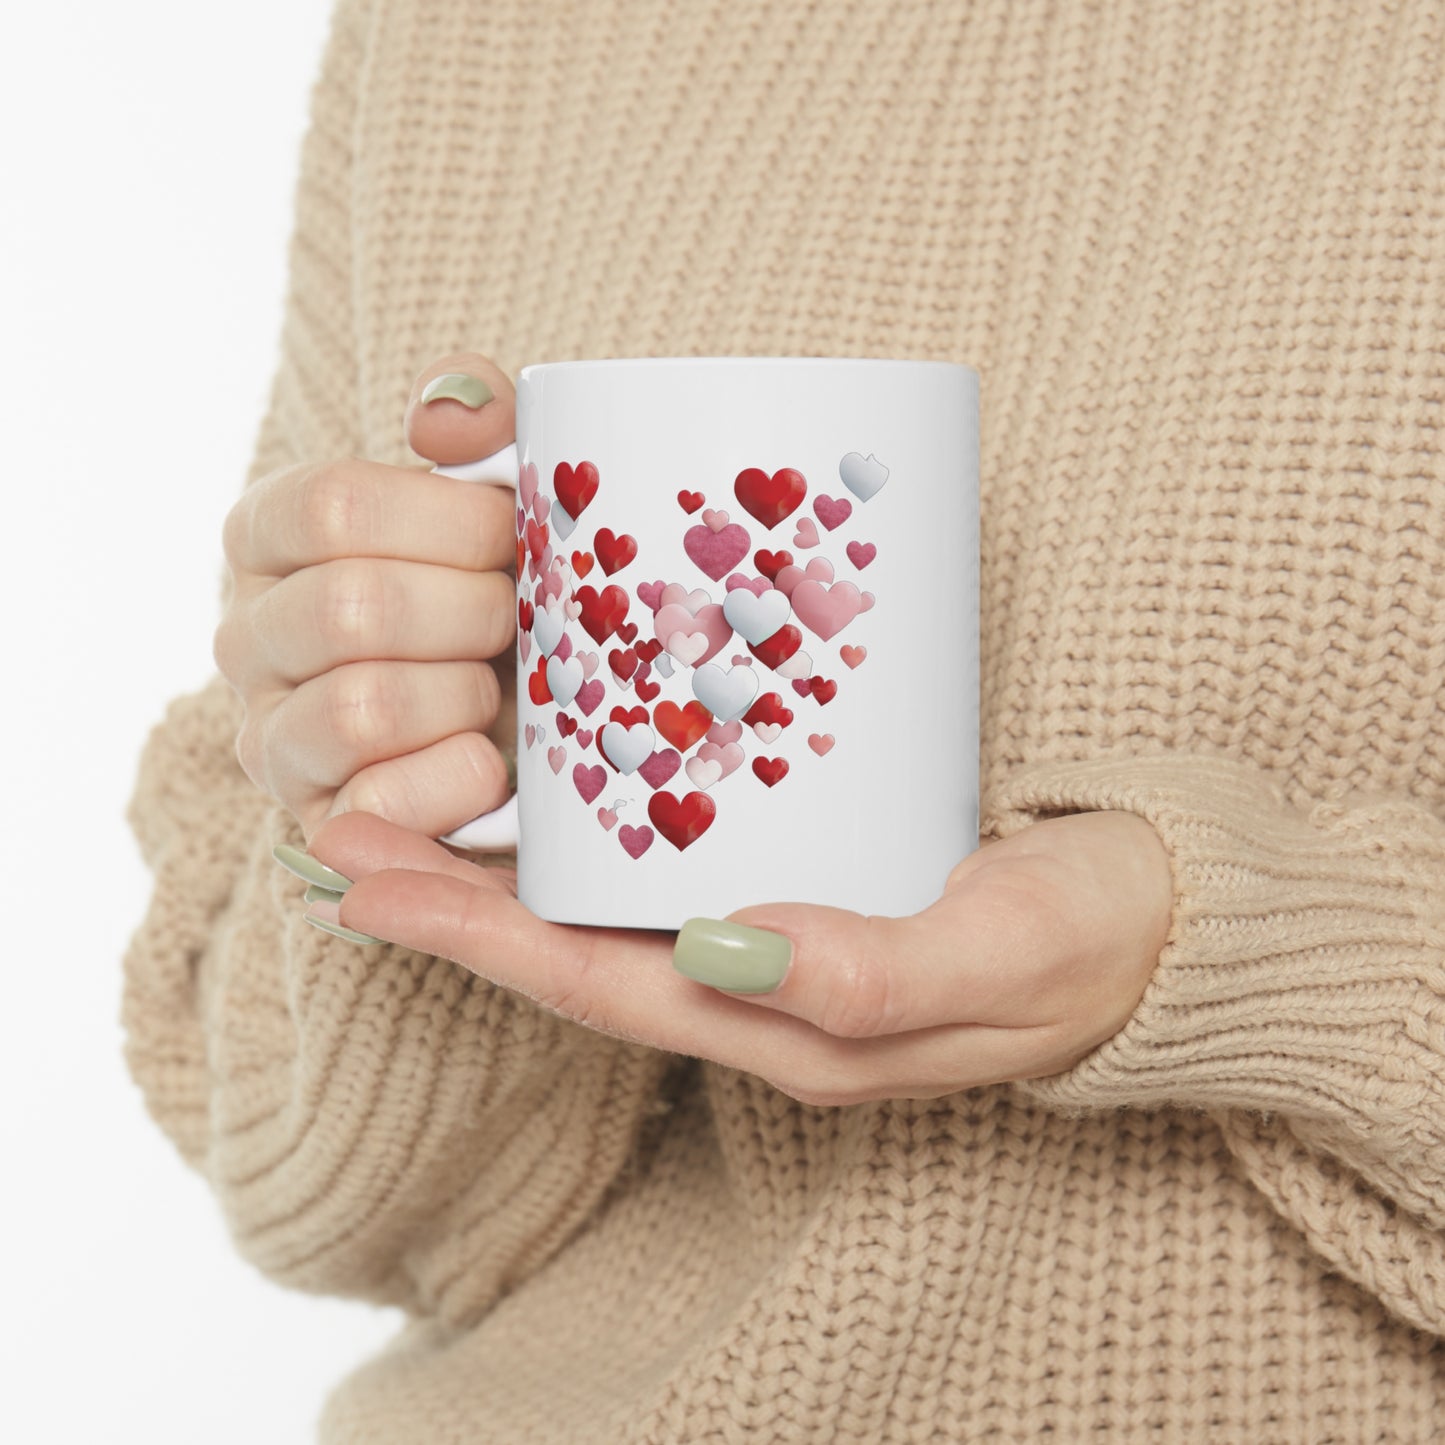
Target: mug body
x=748, y=635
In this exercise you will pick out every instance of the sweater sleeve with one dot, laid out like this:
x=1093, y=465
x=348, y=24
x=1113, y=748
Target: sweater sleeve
x=375, y=1123
x=1299, y=1000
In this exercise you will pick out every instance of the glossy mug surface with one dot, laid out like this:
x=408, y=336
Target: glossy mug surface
x=748, y=635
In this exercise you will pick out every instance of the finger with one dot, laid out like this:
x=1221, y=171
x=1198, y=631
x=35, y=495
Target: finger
x=621, y=982
x=360, y=608
x=433, y=790
x=350, y=507
x=462, y=408
x=327, y=730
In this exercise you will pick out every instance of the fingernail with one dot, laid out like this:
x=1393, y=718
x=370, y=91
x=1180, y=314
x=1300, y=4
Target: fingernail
x=471, y=391
x=732, y=955
x=315, y=894
x=349, y=934
x=303, y=865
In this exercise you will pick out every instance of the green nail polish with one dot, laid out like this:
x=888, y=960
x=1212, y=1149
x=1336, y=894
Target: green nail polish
x=315, y=894
x=471, y=391
x=349, y=934
x=305, y=867
x=732, y=955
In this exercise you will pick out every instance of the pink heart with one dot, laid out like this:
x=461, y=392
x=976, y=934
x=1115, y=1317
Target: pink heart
x=588, y=696
x=756, y=585
x=741, y=659
x=853, y=656
x=798, y=665
x=541, y=505
x=716, y=553
x=573, y=609
x=531, y=734
x=698, y=598
x=860, y=554
x=527, y=482
x=714, y=520
x=589, y=781
x=564, y=651
x=524, y=645
x=866, y=603
x=825, y=610
x=521, y=520
x=721, y=734
x=607, y=818
x=660, y=767
x=728, y=755
x=832, y=513
x=589, y=661
x=807, y=533
x=800, y=686
x=820, y=569
x=821, y=744
x=635, y=841
x=651, y=593
x=709, y=621
x=551, y=586
x=556, y=757
x=584, y=737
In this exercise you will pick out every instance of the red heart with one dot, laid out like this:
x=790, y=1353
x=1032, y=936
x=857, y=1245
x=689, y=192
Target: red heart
x=860, y=554
x=537, y=688
x=581, y=563
x=521, y=555
x=614, y=552
x=649, y=649
x=624, y=664
x=628, y=716
x=524, y=614
x=690, y=501
x=536, y=538
x=627, y=632
x=567, y=726
x=768, y=709
x=771, y=563
x=770, y=498
x=681, y=821
x=602, y=613
x=823, y=691
x=771, y=770
x=682, y=726
x=778, y=648
x=646, y=690
x=575, y=488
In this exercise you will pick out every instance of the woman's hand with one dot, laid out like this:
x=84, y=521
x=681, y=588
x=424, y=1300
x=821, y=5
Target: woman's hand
x=1038, y=951
x=365, y=598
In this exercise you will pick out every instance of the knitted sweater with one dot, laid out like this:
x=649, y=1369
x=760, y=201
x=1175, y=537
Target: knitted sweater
x=1197, y=252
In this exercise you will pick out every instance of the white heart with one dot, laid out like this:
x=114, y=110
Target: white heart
x=687, y=647
x=756, y=618
x=861, y=475
x=768, y=732
x=564, y=677
x=726, y=695
x=798, y=665
x=703, y=774
x=663, y=664
x=563, y=525
x=547, y=631
x=628, y=747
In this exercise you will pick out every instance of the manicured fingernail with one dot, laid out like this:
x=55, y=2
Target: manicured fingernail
x=303, y=865
x=349, y=934
x=732, y=955
x=471, y=391
x=315, y=894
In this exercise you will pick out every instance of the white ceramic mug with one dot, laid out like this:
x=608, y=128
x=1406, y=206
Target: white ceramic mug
x=747, y=664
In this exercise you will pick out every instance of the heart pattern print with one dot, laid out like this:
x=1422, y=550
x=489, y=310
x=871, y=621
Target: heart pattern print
x=677, y=688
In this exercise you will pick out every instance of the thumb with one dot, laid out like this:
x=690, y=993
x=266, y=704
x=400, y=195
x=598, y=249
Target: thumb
x=462, y=408
x=849, y=974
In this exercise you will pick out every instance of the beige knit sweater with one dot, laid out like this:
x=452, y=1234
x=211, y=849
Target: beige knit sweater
x=1197, y=252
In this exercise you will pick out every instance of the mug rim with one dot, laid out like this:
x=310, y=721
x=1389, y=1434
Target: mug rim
x=893, y=362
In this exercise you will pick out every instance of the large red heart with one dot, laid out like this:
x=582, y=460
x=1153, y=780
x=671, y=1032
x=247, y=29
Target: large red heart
x=646, y=690
x=628, y=716
x=681, y=820
x=623, y=663
x=777, y=649
x=771, y=770
x=614, y=552
x=682, y=726
x=575, y=488
x=602, y=612
x=770, y=498
x=767, y=709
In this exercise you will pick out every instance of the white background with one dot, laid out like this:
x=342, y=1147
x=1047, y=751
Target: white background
x=148, y=153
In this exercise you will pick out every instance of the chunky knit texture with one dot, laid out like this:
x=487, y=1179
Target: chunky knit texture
x=1197, y=252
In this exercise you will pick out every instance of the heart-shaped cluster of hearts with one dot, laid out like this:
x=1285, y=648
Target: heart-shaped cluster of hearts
x=673, y=642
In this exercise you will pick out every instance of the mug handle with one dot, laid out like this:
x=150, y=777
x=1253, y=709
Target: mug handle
x=497, y=830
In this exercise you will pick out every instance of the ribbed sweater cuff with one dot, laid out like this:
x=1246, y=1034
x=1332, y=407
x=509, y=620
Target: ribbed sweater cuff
x=1305, y=967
